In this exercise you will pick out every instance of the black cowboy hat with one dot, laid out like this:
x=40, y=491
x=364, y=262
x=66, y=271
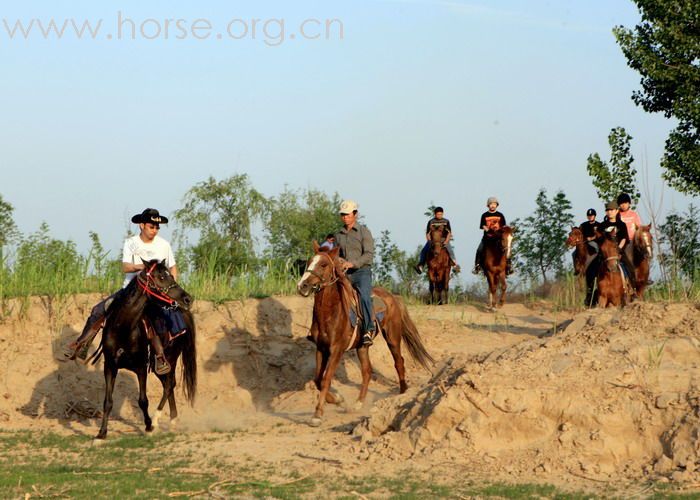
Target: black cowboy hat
x=149, y=216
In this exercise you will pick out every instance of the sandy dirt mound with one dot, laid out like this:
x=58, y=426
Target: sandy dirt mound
x=614, y=395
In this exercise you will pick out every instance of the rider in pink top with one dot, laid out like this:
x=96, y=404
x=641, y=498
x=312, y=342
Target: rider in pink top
x=628, y=216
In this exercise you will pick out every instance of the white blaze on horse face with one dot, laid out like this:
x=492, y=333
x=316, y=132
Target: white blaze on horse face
x=311, y=267
x=509, y=241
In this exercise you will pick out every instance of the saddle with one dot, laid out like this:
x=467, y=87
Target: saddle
x=379, y=307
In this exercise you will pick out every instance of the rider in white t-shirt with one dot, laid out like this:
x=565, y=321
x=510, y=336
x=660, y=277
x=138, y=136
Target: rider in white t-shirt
x=147, y=245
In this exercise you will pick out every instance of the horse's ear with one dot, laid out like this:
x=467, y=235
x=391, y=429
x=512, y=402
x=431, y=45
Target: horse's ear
x=315, y=246
x=162, y=263
x=647, y=227
x=145, y=262
x=334, y=253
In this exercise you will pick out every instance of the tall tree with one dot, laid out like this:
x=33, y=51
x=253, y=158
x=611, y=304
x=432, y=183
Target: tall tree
x=680, y=239
x=539, y=242
x=386, y=258
x=223, y=213
x=617, y=176
x=296, y=218
x=664, y=48
x=8, y=229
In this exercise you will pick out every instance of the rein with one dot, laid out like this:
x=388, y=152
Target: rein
x=323, y=283
x=150, y=288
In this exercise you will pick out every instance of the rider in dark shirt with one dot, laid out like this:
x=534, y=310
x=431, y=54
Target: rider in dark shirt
x=436, y=223
x=612, y=220
x=491, y=220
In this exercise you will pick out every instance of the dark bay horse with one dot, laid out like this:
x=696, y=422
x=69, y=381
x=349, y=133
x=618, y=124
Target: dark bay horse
x=497, y=251
x=439, y=267
x=585, y=262
x=611, y=286
x=125, y=343
x=333, y=334
x=642, y=255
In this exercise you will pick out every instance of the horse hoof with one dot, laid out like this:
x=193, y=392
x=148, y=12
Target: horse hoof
x=338, y=399
x=315, y=422
x=174, y=422
x=357, y=406
x=98, y=441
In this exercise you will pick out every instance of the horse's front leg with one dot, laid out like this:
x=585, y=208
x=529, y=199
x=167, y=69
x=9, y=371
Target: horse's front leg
x=325, y=383
x=143, y=398
x=490, y=279
x=366, y=367
x=321, y=364
x=110, y=373
x=504, y=285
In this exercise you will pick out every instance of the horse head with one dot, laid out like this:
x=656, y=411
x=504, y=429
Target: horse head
x=609, y=251
x=436, y=239
x=575, y=237
x=159, y=284
x=643, y=240
x=322, y=270
x=507, y=240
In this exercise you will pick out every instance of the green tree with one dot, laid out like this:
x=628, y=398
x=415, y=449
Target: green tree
x=679, y=236
x=539, y=242
x=617, y=176
x=223, y=212
x=664, y=48
x=386, y=258
x=8, y=229
x=296, y=218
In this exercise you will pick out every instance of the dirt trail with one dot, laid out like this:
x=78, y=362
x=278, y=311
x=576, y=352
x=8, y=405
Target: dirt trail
x=520, y=395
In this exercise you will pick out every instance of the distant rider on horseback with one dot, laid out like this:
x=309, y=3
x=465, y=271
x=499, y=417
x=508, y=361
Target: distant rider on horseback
x=612, y=220
x=357, y=249
x=438, y=222
x=491, y=220
x=588, y=229
x=145, y=246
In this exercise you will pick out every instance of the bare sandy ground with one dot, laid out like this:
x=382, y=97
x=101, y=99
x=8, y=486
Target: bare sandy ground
x=591, y=400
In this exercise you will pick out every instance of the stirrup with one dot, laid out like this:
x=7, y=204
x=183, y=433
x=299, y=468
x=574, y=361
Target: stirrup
x=476, y=270
x=367, y=339
x=418, y=268
x=162, y=366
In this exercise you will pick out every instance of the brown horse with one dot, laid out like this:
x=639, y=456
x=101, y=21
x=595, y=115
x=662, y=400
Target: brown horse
x=333, y=334
x=611, y=287
x=439, y=267
x=497, y=251
x=642, y=253
x=584, y=253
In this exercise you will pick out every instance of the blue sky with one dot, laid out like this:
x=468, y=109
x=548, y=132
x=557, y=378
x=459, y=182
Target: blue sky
x=421, y=101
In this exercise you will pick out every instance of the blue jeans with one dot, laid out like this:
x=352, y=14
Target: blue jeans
x=361, y=279
x=426, y=249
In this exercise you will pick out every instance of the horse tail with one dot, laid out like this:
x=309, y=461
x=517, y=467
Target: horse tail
x=410, y=334
x=189, y=360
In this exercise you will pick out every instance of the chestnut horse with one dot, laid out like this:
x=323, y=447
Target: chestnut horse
x=643, y=254
x=497, y=251
x=333, y=333
x=439, y=267
x=611, y=287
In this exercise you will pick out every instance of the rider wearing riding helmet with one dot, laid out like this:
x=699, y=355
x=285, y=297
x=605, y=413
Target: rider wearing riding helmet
x=357, y=249
x=491, y=220
x=145, y=246
x=588, y=228
x=438, y=222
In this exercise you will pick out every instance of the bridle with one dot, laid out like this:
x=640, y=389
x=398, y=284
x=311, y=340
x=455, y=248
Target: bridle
x=324, y=282
x=150, y=288
x=574, y=239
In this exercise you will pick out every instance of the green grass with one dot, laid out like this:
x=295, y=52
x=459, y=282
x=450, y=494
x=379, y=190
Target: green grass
x=49, y=464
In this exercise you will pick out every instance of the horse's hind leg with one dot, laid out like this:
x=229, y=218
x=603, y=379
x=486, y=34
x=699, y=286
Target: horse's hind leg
x=110, y=372
x=143, y=398
x=395, y=349
x=166, y=381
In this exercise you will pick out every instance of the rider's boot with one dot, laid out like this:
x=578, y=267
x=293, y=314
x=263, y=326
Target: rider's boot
x=509, y=267
x=162, y=365
x=79, y=349
x=418, y=268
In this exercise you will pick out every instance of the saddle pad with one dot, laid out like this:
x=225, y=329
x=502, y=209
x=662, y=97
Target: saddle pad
x=379, y=307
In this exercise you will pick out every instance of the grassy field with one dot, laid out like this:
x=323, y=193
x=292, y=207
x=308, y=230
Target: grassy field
x=46, y=465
